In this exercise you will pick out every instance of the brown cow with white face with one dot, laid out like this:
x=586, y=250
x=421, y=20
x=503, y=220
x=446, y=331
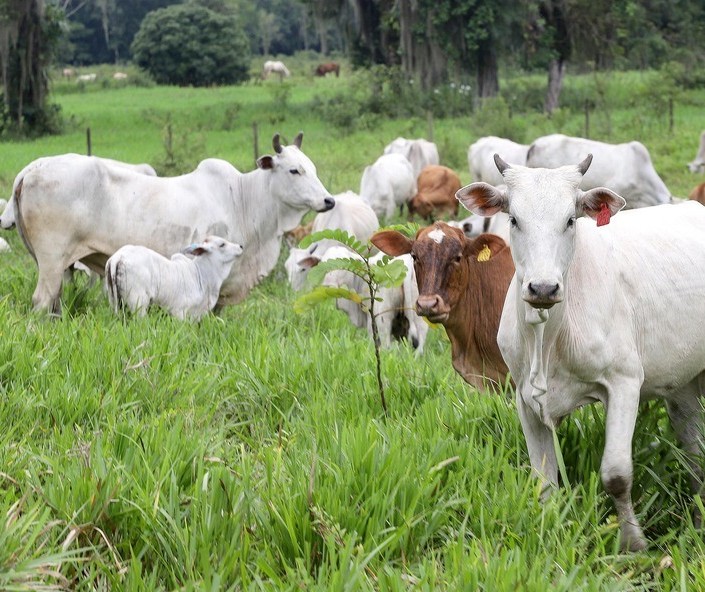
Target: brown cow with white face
x=436, y=185
x=462, y=285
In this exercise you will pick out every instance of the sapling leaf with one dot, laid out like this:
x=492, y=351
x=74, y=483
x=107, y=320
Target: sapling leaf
x=338, y=235
x=320, y=294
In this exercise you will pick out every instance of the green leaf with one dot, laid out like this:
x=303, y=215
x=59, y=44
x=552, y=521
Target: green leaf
x=389, y=273
x=318, y=273
x=321, y=294
x=409, y=229
x=338, y=235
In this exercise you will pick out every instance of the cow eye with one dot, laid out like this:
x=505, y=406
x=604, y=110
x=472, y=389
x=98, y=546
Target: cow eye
x=571, y=222
x=513, y=222
x=457, y=259
x=414, y=258
x=294, y=171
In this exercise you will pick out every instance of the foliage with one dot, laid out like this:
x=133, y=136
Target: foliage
x=383, y=273
x=190, y=45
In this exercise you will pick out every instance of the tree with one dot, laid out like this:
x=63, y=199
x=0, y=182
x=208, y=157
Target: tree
x=28, y=33
x=188, y=44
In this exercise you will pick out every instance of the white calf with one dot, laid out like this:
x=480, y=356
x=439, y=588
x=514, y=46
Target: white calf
x=187, y=288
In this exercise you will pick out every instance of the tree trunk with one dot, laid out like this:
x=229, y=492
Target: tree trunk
x=487, y=75
x=556, y=73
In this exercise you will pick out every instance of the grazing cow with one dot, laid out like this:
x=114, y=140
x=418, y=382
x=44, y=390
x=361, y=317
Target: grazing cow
x=481, y=157
x=462, y=284
x=474, y=226
x=697, y=165
x=137, y=277
x=387, y=183
x=77, y=207
x=436, y=185
x=420, y=153
x=625, y=168
x=599, y=312
x=324, y=69
x=350, y=214
x=275, y=67
x=68, y=72
x=86, y=77
x=294, y=236
x=394, y=312
x=698, y=193
x=119, y=76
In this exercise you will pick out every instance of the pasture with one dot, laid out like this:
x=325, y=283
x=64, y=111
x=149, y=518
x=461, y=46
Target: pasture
x=249, y=451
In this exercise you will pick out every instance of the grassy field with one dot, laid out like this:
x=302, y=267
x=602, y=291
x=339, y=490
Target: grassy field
x=249, y=451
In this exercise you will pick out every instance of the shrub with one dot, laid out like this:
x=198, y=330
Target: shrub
x=190, y=45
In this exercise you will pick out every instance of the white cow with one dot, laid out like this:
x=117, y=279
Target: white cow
x=625, y=168
x=481, y=157
x=599, y=312
x=474, y=225
x=697, y=165
x=8, y=220
x=275, y=67
x=75, y=207
x=87, y=77
x=137, y=277
x=420, y=153
x=351, y=214
x=394, y=303
x=387, y=183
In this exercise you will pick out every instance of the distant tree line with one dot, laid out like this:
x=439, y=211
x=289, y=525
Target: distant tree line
x=431, y=41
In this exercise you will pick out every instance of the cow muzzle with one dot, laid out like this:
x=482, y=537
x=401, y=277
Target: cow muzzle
x=542, y=294
x=328, y=204
x=433, y=308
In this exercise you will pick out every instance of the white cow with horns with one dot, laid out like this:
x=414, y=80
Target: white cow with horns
x=76, y=208
x=599, y=312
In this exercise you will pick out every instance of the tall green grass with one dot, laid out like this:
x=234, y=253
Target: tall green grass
x=249, y=451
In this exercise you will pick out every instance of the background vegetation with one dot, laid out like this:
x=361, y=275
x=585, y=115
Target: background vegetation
x=249, y=451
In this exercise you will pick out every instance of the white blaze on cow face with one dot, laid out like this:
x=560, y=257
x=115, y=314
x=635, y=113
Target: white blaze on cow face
x=543, y=206
x=437, y=235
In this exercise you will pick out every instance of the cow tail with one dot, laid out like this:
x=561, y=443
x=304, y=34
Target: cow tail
x=19, y=219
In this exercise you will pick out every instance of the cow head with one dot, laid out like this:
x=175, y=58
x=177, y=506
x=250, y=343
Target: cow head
x=442, y=257
x=294, y=182
x=543, y=205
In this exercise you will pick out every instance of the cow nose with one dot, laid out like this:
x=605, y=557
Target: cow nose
x=415, y=342
x=543, y=291
x=427, y=305
x=329, y=203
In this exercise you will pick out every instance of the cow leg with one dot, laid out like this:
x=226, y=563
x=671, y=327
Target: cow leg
x=539, y=442
x=47, y=294
x=616, y=469
x=686, y=417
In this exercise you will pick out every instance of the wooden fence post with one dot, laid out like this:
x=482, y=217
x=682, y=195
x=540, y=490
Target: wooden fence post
x=89, y=147
x=587, y=118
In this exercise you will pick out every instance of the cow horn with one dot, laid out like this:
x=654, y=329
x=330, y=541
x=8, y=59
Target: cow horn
x=501, y=165
x=585, y=165
x=298, y=139
x=276, y=144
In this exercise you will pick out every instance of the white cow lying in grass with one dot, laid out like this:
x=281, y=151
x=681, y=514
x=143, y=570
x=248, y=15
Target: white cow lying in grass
x=187, y=288
x=395, y=313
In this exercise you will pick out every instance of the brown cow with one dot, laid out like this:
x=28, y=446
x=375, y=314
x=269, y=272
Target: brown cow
x=698, y=193
x=324, y=69
x=437, y=185
x=462, y=284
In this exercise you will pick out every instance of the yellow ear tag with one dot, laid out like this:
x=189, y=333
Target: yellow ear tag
x=484, y=254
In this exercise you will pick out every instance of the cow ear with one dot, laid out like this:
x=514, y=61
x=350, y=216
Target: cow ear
x=485, y=246
x=591, y=202
x=482, y=199
x=391, y=242
x=308, y=262
x=265, y=162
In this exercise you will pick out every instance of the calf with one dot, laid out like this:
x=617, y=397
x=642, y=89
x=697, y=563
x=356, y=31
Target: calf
x=436, y=187
x=187, y=288
x=462, y=284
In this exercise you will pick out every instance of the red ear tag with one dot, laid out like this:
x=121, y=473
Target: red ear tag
x=604, y=215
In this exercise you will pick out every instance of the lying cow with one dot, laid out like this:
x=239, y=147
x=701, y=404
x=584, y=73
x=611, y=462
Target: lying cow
x=625, y=168
x=599, y=312
x=435, y=194
x=137, y=277
x=462, y=284
x=350, y=214
x=394, y=314
x=78, y=207
x=388, y=184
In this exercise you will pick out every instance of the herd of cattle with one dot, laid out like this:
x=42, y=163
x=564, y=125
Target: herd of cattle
x=542, y=286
